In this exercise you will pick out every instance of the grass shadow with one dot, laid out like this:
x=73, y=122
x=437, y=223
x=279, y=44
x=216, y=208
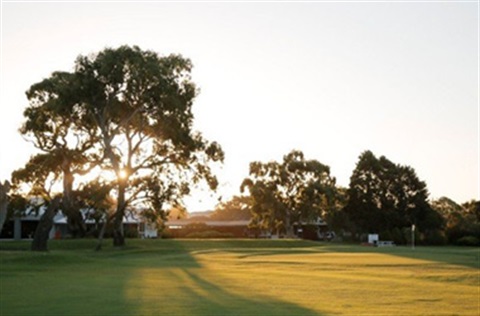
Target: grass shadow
x=147, y=277
x=169, y=280
x=188, y=292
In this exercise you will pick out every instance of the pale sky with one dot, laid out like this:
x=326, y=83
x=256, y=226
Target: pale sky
x=332, y=79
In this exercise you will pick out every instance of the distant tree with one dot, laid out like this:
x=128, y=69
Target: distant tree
x=237, y=208
x=138, y=107
x=472, y=208
x=288, y=192
x=383, y=196
x=461, y=221
x=336, y=219
x=177, y=212
x=446, y=206
x=364, y=200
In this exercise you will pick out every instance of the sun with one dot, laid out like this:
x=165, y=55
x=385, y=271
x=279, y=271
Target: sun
x=122, y=174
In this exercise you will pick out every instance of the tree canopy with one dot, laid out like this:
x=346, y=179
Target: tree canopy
x=462, y=222
x=289, y=192
x=237, y=208
x=383, y=196
x=128, y=111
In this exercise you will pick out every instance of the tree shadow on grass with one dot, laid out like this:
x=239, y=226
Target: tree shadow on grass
x=186, y=292
x=177, y=284
x=224, y=302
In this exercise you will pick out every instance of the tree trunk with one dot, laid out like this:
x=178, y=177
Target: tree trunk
x=4, y=188
x=75, y=220
x=289, y=228
x=75, y=223
x=102, y=233
x=45, y=224
x=118, y=236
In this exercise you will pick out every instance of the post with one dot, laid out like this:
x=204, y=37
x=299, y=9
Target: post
x=413, y=236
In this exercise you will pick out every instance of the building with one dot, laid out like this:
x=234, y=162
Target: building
x=24, y=227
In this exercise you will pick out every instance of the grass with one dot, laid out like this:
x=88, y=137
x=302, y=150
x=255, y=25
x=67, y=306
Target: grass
x=237, y=277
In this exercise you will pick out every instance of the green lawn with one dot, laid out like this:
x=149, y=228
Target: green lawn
x=237, y=277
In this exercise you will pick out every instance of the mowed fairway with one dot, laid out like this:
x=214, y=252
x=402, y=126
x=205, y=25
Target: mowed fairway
x=237, y=277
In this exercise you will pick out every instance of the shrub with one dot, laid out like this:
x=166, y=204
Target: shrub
x=385, y=235
x=397, y=236
x=131, y=232
x=166, y=234
x=435, y=238
x=209, y=234
x=468, y=241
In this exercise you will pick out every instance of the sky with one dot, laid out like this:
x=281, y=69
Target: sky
x=331, y=79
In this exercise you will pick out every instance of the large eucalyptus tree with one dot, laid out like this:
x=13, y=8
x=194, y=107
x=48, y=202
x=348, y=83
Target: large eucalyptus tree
x=137, y=109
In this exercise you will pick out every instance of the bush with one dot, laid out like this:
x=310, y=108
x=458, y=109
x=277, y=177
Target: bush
x=131, y=232
x=166, y=234
x=385, y=235
x=397, y=236
x=461, y=230
x=468, y=241
x=209, y=234
x=435, y=238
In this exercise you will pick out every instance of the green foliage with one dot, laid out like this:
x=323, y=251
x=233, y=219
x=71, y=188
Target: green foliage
x=336, y=219
x=131, y=232
x=386, y=235
x=209, y=234
x=472, y=208
x=294, y=190
x=383, y=196
x=397, y=236
x=177, y=212
x=460, y=220
x=468, y=241
x=145, y=101
x=435, y=238
x=130, y=111
x=237, y=208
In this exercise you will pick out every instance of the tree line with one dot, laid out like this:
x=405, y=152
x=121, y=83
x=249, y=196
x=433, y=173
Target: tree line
x=116, y=134
x=382, y=197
